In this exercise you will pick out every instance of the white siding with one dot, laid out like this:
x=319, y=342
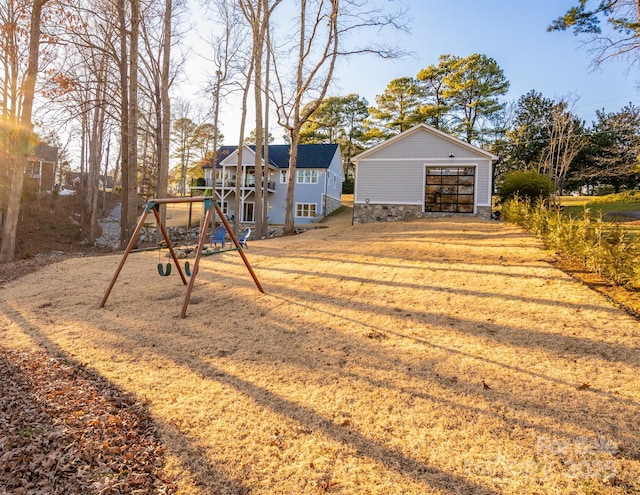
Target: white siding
x=390, y=182
x=422, y=144
x=483, y=183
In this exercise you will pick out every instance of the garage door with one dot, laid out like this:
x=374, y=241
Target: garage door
x=449, y=189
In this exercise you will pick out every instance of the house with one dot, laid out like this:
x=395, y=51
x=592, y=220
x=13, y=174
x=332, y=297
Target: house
x=74, y=179
x=318, y=187
x=41, y=168
x=422, y=172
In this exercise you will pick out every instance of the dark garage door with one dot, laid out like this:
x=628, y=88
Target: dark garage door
x=449, y=189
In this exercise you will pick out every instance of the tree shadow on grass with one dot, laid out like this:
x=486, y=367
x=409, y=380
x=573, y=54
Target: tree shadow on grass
x=201, y=473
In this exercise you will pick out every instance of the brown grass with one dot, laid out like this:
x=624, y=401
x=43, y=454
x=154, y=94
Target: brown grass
x=435, y=356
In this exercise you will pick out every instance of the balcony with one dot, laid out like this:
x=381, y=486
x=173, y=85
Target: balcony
x=222, y=184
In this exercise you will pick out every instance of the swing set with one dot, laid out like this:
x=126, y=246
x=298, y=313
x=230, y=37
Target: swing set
x=210, y=206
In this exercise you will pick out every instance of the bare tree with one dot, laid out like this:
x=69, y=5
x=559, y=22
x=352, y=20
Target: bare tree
x=158, y=26
x=243, y=120
x=322, y=25
x=20, y=124
x=183, y=128
x=566, y=140
x=309, y=72
x=258, y=14
x=228, y=55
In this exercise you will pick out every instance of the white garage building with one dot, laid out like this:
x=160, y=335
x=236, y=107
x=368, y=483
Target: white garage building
x=422, y=172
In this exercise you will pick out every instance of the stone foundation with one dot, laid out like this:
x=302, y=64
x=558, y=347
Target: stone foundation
x=393, y=213
x=484, y=212
x=331, y=204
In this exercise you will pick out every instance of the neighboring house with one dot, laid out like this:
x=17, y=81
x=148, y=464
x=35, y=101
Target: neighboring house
x=318, y=187
x=41, y=168
x=422, y=172
x=74, y=179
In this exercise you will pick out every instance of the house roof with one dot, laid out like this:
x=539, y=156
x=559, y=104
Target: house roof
x=309, y=155
x=427, y=128
x=44, y=152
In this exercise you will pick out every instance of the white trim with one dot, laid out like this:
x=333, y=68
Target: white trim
x=475, y=184
x=245, y=148
x=323, y=200
x=310, y=171
x=244, y=205
x=295, y=207
x=449, y=161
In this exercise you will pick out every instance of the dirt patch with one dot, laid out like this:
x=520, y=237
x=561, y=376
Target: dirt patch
x=627, y=299
x=432, y=356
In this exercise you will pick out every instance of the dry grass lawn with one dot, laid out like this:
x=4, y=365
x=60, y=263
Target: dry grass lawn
x=433, y=356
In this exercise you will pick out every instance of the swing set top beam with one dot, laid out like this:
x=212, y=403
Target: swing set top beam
x=194, y=199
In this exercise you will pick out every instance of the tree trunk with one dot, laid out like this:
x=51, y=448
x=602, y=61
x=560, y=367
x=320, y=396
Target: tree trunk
x=10, y=229
x=124, y=125
x=265, y=176
x=297, y=117
x=165, y=104
x=294, y=130
x=132, y=186
x=106, y=174
x=243, y=119
x=95, y=160
x=257, y=88
x=289, y=224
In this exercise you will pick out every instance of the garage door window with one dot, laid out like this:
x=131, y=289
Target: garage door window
x=449, y=189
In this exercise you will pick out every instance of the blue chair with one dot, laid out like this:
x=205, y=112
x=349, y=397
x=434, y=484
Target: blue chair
x=218, y=237
x=244, y=237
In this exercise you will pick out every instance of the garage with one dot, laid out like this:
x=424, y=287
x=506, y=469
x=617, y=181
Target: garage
x=422, y=172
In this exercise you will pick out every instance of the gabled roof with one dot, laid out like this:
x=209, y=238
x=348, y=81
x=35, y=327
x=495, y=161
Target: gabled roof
x=430, y=129
x=44, y=152
x=309, y=155
x=224, y=152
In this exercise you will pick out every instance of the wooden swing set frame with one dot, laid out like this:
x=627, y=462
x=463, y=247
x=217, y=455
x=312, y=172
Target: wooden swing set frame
x=210, y=206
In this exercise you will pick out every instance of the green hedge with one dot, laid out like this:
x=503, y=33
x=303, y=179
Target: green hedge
x=527, y=185
x=604, y=248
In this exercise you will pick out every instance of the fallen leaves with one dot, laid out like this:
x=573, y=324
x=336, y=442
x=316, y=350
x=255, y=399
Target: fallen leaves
x=65, y=429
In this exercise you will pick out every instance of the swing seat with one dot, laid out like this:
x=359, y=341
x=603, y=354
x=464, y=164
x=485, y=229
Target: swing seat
x=164, y=272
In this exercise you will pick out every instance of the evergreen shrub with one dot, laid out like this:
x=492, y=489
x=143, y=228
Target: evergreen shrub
x=527, y=185
x=602, y=247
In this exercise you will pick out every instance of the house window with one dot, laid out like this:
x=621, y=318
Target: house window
x=307, y=177
x=284, y=176
x=248, y=212
x=33, y=170
x=251, y=178
x=449, y=189
x=305, y=210
x=224, y=206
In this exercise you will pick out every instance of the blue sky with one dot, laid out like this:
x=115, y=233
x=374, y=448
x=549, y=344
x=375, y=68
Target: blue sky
x=513, y=32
